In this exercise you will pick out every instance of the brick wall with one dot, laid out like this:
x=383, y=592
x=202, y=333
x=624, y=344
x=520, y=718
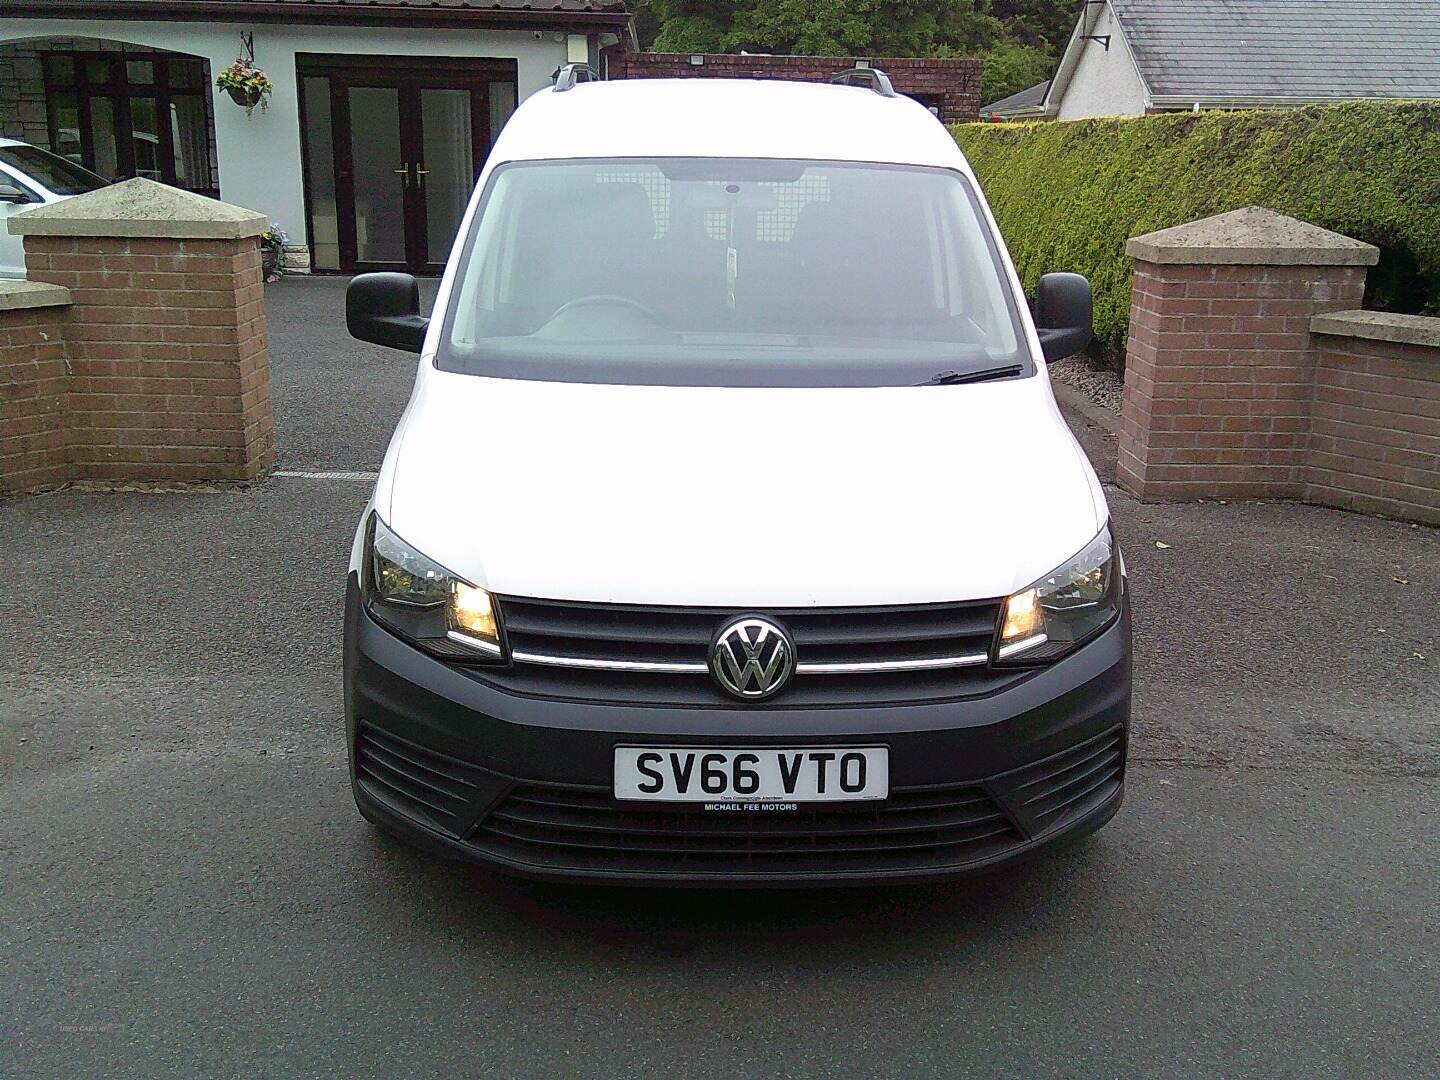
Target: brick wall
x=1219, y=375
x=168, y=347
x=34, y=395
x=157, y=368
x=1251, y=373
x=952, y=85
x=1375, y=426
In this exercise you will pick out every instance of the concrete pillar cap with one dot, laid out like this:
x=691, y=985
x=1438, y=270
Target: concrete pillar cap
x=1253, y=236
x=140, y=207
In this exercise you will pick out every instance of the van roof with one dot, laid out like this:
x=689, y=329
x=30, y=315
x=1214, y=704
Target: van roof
x=705, y=117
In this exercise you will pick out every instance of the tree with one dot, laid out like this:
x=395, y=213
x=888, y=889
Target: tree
x=876, y=27
x=1018, y=40
x=1010, y=68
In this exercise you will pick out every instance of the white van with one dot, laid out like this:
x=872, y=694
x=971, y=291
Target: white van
x=731, y=534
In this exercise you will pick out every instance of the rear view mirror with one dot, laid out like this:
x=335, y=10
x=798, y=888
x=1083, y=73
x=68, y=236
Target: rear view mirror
x=384, y=309
x=11, y=193
x=1064, y=315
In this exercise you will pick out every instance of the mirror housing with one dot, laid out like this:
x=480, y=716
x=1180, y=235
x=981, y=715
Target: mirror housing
x=11, y=193
x=1064, y=315
x=384, y=309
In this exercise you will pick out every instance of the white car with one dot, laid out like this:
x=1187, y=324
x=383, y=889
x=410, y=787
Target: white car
x=29, y=177
x=732, y=534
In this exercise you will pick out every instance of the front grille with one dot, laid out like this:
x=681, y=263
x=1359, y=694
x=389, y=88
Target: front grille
x=586, y=829
x=440, y=789
x=681, y=636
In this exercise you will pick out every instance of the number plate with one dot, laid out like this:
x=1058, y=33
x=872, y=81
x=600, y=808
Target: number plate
x=798, y=774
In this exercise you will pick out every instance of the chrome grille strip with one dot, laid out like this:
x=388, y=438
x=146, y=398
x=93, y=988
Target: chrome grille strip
x=864, y=667
x=659, y=667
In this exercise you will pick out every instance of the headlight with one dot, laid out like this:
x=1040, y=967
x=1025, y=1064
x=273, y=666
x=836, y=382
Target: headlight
x=418, y=599
x=1066, y=607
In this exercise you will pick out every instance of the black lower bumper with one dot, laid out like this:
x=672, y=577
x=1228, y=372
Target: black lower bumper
x=523, y=783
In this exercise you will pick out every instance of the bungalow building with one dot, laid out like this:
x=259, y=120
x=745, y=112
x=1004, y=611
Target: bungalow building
x=366, y=150
x=1131, y=57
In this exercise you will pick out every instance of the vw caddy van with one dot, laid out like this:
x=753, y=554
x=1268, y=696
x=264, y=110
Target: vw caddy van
x=731, y=534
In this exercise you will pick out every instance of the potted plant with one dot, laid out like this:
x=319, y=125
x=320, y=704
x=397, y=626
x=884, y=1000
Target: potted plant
x=272, y=251
x=246, y=84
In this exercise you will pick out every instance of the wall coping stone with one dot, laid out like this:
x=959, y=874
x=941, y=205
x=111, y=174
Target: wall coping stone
x=1379, y=326
x=17, y=295
x=1253, y=236
x=141, y=207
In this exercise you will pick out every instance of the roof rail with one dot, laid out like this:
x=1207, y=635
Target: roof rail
x=567, y=75
x=862, y=74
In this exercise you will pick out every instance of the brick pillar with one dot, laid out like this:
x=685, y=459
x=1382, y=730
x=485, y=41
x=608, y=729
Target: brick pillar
x=169, y=367
x=1220, y=364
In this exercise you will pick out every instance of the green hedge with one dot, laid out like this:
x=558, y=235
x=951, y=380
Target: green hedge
x=1068, y=195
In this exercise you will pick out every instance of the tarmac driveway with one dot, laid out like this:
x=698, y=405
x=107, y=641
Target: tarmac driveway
x=187, y=890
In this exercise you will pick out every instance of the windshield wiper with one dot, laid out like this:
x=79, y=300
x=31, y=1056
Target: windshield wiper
x=951, y=378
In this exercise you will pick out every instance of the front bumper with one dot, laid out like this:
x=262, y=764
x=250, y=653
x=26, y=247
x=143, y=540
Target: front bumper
x=523, y=783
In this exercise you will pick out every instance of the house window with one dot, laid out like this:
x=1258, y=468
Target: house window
x=132, y=114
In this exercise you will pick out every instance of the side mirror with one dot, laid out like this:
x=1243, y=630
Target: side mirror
x=11, y=193
x=384, y=309
x=1064, y=315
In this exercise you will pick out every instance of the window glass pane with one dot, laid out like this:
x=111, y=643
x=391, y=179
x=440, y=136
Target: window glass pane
x=64, y=110
x=190, y=134
x=795, y=273
x=502, y=104
x=320, y=173
x=59, y=174
x=145, y=137
x=185, y=73
x=98, y=70
x=450, y=176
x=140, y=71
x=59, y=70
x=102, y=131
x=380, y=173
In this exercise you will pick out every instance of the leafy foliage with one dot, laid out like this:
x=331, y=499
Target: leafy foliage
x=1068, y=195
x=1018, y=39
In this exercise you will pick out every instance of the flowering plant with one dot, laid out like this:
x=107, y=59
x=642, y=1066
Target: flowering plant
x=275, y=236
x=272, y=251
x=246, y=84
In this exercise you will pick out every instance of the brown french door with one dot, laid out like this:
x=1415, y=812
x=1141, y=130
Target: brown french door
x=404, y=152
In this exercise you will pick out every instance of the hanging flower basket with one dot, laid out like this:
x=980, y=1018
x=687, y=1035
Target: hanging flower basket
x=246, y=99
x=246, y=84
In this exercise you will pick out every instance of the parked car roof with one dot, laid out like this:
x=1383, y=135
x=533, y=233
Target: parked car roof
x=726, y=118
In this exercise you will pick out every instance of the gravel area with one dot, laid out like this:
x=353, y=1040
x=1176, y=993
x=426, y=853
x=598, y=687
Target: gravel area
x=1102, y=387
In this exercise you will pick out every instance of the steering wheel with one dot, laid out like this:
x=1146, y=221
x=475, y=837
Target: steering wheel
x=606, y=298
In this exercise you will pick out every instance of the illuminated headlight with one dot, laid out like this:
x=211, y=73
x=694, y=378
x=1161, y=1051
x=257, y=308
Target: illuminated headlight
x=418, y=599
x=1066, y=607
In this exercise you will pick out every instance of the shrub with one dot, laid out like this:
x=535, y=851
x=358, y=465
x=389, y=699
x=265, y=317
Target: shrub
x=1068, y=195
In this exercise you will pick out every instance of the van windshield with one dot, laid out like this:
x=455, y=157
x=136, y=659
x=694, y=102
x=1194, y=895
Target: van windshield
x=725, y=272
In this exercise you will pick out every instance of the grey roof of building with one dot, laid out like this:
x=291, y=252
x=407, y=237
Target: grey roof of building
x=1307, y=49
x=1032, y=97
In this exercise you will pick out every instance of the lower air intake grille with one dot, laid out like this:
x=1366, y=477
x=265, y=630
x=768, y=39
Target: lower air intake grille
x=586, y=829
x=421, y=782
x=1067, y=785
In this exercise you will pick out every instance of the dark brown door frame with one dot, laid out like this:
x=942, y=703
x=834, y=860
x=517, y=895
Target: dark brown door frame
x=119, y=91
x=446, y=73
